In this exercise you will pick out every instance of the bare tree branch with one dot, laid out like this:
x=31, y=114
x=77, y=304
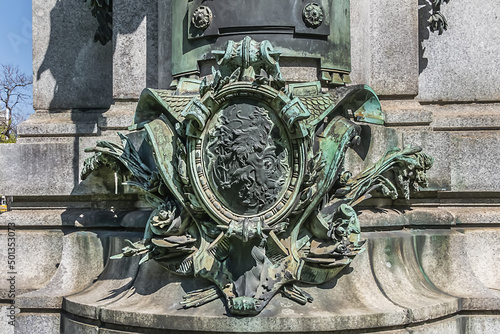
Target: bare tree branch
x=14, y=91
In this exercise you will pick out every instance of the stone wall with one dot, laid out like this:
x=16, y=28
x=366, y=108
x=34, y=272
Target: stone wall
x=438, y=91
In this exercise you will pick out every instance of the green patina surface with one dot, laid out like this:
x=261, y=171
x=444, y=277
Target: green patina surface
x=248, y=186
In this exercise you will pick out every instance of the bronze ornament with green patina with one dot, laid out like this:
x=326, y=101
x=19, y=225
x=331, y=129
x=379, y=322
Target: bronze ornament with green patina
x=248, y=187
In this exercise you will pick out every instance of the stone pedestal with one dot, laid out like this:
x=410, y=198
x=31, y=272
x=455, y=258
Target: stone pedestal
x=431, y=262
x=404, y=280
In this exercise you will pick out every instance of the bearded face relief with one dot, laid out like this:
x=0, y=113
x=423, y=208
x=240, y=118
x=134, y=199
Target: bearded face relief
x=247, y=157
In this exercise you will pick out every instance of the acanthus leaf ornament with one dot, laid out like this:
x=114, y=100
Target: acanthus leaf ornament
x=248, y=188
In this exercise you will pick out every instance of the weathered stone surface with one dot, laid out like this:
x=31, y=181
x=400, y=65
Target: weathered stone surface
x=463, y=161
x=81, y=262
x=113, y=283
x=75, y=123
x=483, y=244
x=37, y=257
x=119, y=117
x=75, y=218
x=8, y=313
x=70, y=326
x=38, y=169
x=375, y=294
x=473, y=324
x=154, y=303
x=135, y=57
x=398, y=274
x=482, y=324
x=164, y=44
x=465, y=75
x=53, y=168
x=385, y=217
x=30, y=323
x=299, y=70
x=43, y=139
x=446, y=326
x=401, y=279
x=445, y=216
x=360, y=41
x=50, y=124
x=477, y=215
x=475, y=116
x=384, y=47
x=446, y=117
x=21, y=218
x=453, y=268
x=438, y=145
x=70, y=70
x=111, y=331
x=405, y=112
x=381, y=217
x=429, y=216
x=474, y=162
x=375, y=141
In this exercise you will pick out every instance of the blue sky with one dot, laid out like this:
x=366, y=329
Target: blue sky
x=15, y=36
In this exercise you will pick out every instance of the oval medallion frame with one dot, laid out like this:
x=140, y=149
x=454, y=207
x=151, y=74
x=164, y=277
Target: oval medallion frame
x=202, y=112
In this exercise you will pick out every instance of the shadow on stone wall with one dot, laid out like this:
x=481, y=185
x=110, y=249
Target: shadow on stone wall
x=73, y=73
x=129, y=36
x=424, y=13
x=82, y=70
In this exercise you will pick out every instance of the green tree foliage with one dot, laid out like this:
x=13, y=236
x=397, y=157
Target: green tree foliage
x=7, y=136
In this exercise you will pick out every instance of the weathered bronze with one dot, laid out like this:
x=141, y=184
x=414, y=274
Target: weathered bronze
x=202, y=17
x=248, y=185
x=318, y=30
x=313, y=14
